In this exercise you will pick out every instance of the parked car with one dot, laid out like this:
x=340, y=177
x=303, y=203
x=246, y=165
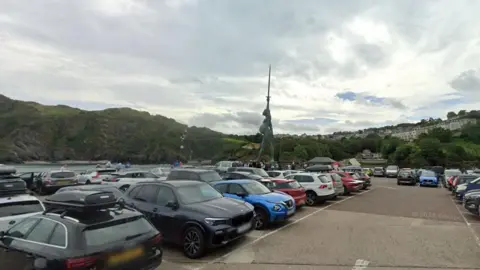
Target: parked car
x=352, y=169
x=449, y=174
x=461, y=179
x=246, y=175
x=391, y=171
x=191, y=214
x=428, y=178
x=471, y=202
x=80, y=231
x=336, y=181
x=319, y=168
x=292, y=188
x=203, y=175
x=362, y=177
x=270, y=207
x=280, y=174
x=406, y=176
x=350, y=184
x=123, y=180
x=161, y=172
x=95, y=176
x=317, y=188
x=466, y=184
x=49, y=182
x=222, y=166
x=258, y=171
x=378, y=171
x=105, y=188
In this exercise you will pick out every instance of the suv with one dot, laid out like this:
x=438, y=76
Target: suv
x=15, y=203
x=49, y=182
x=191, y=214
x=82, y=230
x=391, y=171
x=194, y=174
x=406, y=175
x=318, y=188
x=223, y=166
x=378, y=171
x=123, y=180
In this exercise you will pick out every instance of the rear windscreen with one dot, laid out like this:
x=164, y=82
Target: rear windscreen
x=104, y=172
x=273, y=174
x=20, y=208
x=323, y=179
x=210, y=176
x=117, y=231
x=62, y=174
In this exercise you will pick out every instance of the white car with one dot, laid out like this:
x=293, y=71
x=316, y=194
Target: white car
x=318, y=188
x=95, y=176
x=123, y=180
x=161, y=172
x=336, y=180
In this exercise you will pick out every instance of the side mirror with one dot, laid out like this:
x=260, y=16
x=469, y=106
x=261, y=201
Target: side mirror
x=40, y=264
x=172, y=205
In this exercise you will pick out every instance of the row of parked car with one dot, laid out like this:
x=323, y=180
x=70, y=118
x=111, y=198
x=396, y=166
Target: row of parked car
x=196, y=209
x=465, y=188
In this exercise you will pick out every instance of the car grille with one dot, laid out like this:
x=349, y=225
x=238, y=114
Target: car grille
x=241, y=219
x=289, y=203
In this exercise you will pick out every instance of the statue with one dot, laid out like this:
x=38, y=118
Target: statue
x=266, y=128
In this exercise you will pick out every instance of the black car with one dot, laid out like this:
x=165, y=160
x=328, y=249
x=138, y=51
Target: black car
x=82, y=230
x=194, y=174
x=471, y=202
x=406, y=176
x=191, y=214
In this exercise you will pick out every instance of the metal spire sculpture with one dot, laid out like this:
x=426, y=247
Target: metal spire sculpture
x=266, y=129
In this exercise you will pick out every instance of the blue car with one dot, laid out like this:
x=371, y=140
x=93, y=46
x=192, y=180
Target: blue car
x=270, y=206
x=428, y=178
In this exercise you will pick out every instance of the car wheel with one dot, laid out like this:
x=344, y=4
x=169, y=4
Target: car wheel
x=193, y=243
x=261, y=219
x=88, y=182
x=124, y=188
x=398, y=183
x=311, y=198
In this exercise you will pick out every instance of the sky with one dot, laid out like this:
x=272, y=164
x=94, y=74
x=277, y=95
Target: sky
x=336, y=65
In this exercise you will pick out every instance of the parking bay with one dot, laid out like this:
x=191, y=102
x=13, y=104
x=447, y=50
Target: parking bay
x=387, y=227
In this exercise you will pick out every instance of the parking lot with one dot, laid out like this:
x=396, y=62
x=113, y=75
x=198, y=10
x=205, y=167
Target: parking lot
x=386, y=227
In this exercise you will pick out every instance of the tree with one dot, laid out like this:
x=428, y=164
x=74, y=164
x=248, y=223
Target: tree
x=462, y=113
x=451, y=115
x=430, y=149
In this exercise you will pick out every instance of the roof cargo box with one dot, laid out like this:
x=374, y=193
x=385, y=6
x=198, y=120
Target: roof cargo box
x=82, y=200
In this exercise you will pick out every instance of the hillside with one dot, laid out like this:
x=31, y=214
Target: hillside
x=31, y=131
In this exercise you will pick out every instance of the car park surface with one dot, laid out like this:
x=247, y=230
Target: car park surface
x=385, y=227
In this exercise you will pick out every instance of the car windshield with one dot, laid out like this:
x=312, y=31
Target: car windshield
x=20, y=208
x=391, y=167
x=210, y=176
x=117, y=231
x=255, y=188
x=62, y=174
x=273, y=174
x=466, y=179
x=428, y=173
x=197, y=193
x=261, y=172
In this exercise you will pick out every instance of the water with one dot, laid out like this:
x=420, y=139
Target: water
x=21, y=168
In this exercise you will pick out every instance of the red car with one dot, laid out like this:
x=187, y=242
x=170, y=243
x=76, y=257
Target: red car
x=292, y=188
x=451, y=181
x=350, y=184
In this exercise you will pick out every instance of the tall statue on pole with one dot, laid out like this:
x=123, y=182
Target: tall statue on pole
x=266, y=128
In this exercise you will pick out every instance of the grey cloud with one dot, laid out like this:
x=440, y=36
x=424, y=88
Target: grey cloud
x=370, y=54
x=467, y=81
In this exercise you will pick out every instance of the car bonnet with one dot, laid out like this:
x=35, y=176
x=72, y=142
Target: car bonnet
x=220, y=208
x=273, y=197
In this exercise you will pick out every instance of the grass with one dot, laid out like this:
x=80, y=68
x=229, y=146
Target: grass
x=471, y=148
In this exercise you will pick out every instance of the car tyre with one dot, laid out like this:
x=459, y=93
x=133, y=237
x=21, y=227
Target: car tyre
x=88, y=182
x=398, y=183
x=311, y=198
x=194, y=243
x=261, y=219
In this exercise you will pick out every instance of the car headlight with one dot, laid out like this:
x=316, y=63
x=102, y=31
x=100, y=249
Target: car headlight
x=277, y=207
x=216, y=221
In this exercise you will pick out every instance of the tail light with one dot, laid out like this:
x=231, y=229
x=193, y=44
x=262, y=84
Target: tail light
x=156, y=239
x=322, y=186
x=81, y=263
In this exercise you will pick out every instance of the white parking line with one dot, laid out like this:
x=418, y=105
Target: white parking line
x=279, y=229
x=360, y=264
x=469, y=225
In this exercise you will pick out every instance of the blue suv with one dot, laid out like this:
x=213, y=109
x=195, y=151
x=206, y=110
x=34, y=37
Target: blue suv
x=270, y=206
x=428, y=178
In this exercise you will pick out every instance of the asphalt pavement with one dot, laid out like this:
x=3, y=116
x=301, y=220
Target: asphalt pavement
x=386, y=227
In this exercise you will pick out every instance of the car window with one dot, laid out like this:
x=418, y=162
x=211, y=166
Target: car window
x=476, y=181
x=274, y=174
x=132, y=193
x=222, y=188
x=59, y=236
x=428, y=173
x=148, y=193
x=165, y=195
x=149, y=175
x=250, y=170
x=323, y=179
x=65, y=174
x=21, y=229
x=20, y=208
x=235, y=189
x=255, y=188
x=305, y=179
x=392, y=167
x=105, y=172
x=42, y=231
x=336, y=177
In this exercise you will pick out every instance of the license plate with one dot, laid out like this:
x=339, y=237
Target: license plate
x=64, y=182
x=125, y=256
x=245, y=227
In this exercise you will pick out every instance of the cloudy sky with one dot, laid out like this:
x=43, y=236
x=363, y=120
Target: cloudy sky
x=336, y=65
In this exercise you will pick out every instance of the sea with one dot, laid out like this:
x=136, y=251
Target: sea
x=23, y=168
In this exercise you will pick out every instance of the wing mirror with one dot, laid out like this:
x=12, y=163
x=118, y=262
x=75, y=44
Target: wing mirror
x=172, y=204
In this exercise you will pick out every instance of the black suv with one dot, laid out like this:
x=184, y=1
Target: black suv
x=406, y=176
x=82, y=230
x=194, y=174
x=191, y=214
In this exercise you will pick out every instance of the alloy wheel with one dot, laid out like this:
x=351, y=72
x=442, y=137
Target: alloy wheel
x=192, y=243
x=310, y=199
